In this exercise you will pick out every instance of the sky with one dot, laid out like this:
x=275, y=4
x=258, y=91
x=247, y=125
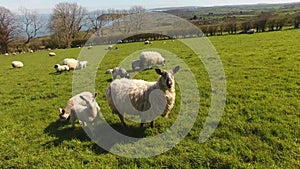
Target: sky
x=46, y=6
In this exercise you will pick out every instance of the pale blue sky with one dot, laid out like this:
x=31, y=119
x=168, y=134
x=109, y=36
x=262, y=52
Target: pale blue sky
x=46, y=6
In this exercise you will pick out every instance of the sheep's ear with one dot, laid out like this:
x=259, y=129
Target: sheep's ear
x=176, y=69
x=95, y=94
x=158, y=71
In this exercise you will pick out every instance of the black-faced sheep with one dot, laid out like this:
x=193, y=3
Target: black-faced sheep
x=83, y=106
x=17, y=64
x=122, y=93
x=59, y=68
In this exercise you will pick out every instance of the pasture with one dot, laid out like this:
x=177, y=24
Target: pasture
x=259, y=127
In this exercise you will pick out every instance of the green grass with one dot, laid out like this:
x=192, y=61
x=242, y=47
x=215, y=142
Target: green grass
x=259, y=127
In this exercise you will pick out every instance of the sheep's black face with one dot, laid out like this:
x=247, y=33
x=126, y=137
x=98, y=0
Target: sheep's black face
x=63, y=116
x=167, y=77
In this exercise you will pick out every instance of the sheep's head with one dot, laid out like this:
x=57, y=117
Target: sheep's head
x=63, y=115
x=166, y=79
x=56, y=66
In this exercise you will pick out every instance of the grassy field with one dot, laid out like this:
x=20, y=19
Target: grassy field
x=259, y=127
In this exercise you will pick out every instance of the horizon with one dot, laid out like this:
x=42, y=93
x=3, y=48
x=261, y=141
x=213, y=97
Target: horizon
x=14, y=5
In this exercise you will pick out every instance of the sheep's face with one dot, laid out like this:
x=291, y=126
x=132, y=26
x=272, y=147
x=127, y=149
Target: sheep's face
x=63, y=115
x=167, y=77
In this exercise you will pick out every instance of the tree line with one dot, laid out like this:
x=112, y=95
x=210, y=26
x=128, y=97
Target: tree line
x=234, y=25
x=70, y=24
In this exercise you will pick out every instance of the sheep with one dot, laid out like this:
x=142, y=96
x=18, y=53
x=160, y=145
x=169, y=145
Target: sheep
x=82, y=64
x=150, y=58
x=59, y=68
x=134, y=64
x=109, y=71
x=109, y=47
x=146, y=42
x=120, y=71
x=14, y=53
x=72, y=63
x=52, y=54
x=83, y=106
x=123, y=92
x=17, y=64
x=90, y=47
x=6, y=54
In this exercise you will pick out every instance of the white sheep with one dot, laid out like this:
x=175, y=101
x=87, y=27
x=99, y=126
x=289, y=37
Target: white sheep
x=90, y=47
x=121, y=72
x=146, y=42
x=109, y=47
x=82, y=64
x=72, y=63
x=83, y=106
x=6, y=54
x=135, y=96
x=149, y=59
x=17, y=64
x=52, y=54
x=59, y=68
x=135, y=64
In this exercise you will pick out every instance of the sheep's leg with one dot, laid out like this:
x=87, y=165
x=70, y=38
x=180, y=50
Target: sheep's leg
x=122, y=119
x=142, y=123
x=73, y=118
x=152, y=124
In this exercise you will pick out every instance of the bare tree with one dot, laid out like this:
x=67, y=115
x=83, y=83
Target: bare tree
x=95, y=21
x=67, y=21
x=31, y=24
x=138, y=17
x=7, y=29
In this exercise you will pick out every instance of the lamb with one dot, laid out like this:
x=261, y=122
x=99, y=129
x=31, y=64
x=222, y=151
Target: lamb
x=72, y=63
x=17, y=64
x=150, y=58
x=52, y=54
x=121, y=72
x=82, y=64
x=83, y=106
x=59, y=68
x=124, y=94
x=134, y=64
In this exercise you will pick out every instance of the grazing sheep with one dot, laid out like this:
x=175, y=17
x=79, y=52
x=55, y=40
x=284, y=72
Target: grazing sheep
x=109, y=71
x=17, y=64
x=109, y=47
x=52, y=54
x=6, y=54
x=150, y=58
x=72, y=63
x=59, y=68
x=83, y=106
x=82, y=64
x=146, y=42
x=120, y=71
x=122, y=92
x=14, y=53
x=134, y=64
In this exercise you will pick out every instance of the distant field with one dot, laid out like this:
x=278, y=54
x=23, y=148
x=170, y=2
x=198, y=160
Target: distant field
x=259, y=127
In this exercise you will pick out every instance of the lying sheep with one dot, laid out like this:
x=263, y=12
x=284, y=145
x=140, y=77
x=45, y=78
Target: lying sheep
x=17, y=64
x=149, y=59
x=83, y=106
x=121, y=72
x=122, y=93
x=82, y=64
x=72, y=63
x=135, y=64
x=52, y=54
x=59, y=68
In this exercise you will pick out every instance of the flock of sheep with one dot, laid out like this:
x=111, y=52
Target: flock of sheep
x=121, y=92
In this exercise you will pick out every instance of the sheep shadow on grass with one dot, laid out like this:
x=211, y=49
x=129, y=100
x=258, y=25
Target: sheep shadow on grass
x=62, y=131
